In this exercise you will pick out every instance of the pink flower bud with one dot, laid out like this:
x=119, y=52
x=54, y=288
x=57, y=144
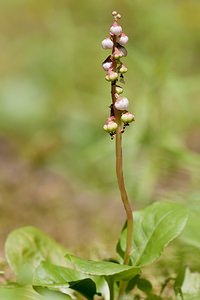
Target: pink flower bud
x=107, y=43
x=117, y=53
x=127, y=118
x=111, y=75
x=123, y=39
x=107, y=65
x=114, y=13
x=115, y=29
x=111, y=125
x=122, y=103
x=123, y=69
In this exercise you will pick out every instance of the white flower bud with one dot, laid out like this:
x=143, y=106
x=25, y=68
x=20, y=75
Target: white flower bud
x=107, y=65
x=122, y=103
x=115, y=29
x=119, y=90
x=110, y=126
x=123, y=39
x=127, y=117
x=111, y=75
x=123, y=69
x=107, y=43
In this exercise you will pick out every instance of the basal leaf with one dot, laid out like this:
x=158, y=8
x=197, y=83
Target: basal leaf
x=47, y=274
x=103, y=268
x=26, y=247
x=154, y=228
x=28, y=293
x=56, y=277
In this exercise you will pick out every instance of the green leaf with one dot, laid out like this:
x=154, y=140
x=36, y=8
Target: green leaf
x=28, y=293
x=191, y=233
x=187, y=284
x=18, y=293
x=144, y=285
x=47, y=274
x=103, y=268
x=154, y=228
x=26, y=247
x=56, y=277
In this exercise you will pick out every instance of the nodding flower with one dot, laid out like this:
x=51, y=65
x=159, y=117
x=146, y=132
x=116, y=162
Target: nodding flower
x=123, y=69
x=111, y=75
x=107, y=65
x=117, y=53
x=110, y=125
x=119, y=90
x=107, y=43
x=121, y=103
x=115, y=29
x=127, y=117
x=123, y=39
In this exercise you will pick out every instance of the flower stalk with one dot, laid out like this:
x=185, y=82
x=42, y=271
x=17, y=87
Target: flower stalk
x=119, y=114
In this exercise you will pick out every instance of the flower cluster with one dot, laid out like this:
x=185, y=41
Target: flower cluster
x=115, y=72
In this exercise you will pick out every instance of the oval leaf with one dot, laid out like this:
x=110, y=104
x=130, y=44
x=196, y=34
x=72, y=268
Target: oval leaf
x=103, y=268
x=154, y=228
x=26, y=247
x=56, y=277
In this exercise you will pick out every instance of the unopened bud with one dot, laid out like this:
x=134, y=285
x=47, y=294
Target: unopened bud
x=119, y=90
x=127, y=118
x=123, y=69
x=115, y=29
x=107, y=65
x=107, y=43
x=111, y=75
x=117, y=53
x=122, y=103
x=110, y=126
x=123, y=39
x=114, y=13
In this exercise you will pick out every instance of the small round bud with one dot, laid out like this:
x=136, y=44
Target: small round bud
x=115, y=29
x=119, y=90
x=107, y=65
x=111, y=75
x=107, y=43
x=118, y=16
x=114, y=13
x=123, y=69
x=123, y=39
x=122, y=103
x=111, y=125
x=127, y=118
x=117, y=53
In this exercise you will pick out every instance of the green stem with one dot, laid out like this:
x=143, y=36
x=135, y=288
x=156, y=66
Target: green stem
x=120, y=176
x=110, y=283
x=119, y=167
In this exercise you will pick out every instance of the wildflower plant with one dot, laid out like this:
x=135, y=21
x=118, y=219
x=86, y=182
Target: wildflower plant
x=46, y=270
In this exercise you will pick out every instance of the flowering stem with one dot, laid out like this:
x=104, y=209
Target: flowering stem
x=119, y=169
x=120, y=179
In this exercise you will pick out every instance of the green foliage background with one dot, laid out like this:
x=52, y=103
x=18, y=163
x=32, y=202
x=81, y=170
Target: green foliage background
x=54, y=98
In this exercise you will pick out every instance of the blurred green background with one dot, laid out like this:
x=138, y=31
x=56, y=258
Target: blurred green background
x=57, y=165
